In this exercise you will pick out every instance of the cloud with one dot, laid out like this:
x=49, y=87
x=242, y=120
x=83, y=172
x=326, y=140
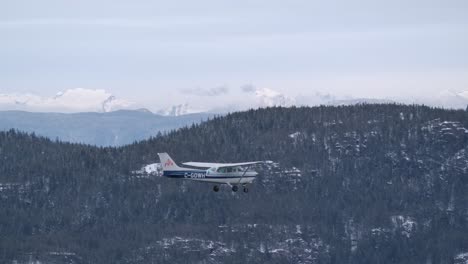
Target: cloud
x=248, y=88
x=216, y=91
x=72, y=100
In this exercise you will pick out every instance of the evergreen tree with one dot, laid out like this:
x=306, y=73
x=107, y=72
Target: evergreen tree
x=349, y=184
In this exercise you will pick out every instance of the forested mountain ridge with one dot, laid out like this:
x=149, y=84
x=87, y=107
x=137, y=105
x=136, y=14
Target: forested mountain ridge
x=349, y=184
x=115, y=128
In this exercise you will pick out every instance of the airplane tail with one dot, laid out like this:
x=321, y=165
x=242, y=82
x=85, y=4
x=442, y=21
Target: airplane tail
x=168, y=163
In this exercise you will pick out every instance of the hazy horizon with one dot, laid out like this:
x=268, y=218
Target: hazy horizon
x=224, y=55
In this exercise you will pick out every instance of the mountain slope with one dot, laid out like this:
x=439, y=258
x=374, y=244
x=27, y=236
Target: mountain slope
x=348, y=184
x=102, y=129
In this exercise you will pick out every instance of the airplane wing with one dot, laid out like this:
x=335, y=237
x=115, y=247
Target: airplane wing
x=219, y=165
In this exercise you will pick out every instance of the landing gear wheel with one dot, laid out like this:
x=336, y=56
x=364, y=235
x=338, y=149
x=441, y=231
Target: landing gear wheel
x=216, y=188
x=246, y=190
x=235, y=188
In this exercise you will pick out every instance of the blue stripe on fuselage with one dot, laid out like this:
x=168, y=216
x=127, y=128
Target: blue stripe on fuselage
x=182, y=174
x=197, y=174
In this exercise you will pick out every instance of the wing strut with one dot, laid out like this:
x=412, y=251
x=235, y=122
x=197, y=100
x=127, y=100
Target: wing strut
x=243, y=174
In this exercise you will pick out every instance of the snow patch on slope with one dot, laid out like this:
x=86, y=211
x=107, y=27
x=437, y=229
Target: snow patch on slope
x=148, y=170
x=461, y=258
x=405, y=223
x=295, y=135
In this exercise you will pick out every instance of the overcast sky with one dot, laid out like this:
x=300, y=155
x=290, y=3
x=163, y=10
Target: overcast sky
x=206, y=52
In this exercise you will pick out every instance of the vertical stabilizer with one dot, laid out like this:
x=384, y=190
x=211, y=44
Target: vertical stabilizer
x=167, y=163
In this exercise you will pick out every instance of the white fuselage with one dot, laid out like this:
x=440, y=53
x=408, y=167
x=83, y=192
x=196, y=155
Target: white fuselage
x=213, y=176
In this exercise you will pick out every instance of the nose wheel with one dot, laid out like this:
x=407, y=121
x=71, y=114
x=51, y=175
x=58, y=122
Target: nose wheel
x=216, y=188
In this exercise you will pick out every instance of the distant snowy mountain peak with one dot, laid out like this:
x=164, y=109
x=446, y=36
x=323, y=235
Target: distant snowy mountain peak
x=94, y=100
x=143, y=110
x=451, y=99
x=58, y=95
x=268, y=97
x=179, y=110
x=361, y=101
x=175, y=110
x=464, y=94
x=112, y=103
x=71, y=100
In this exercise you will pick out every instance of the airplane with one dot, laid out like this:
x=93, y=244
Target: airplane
x=232, y=174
